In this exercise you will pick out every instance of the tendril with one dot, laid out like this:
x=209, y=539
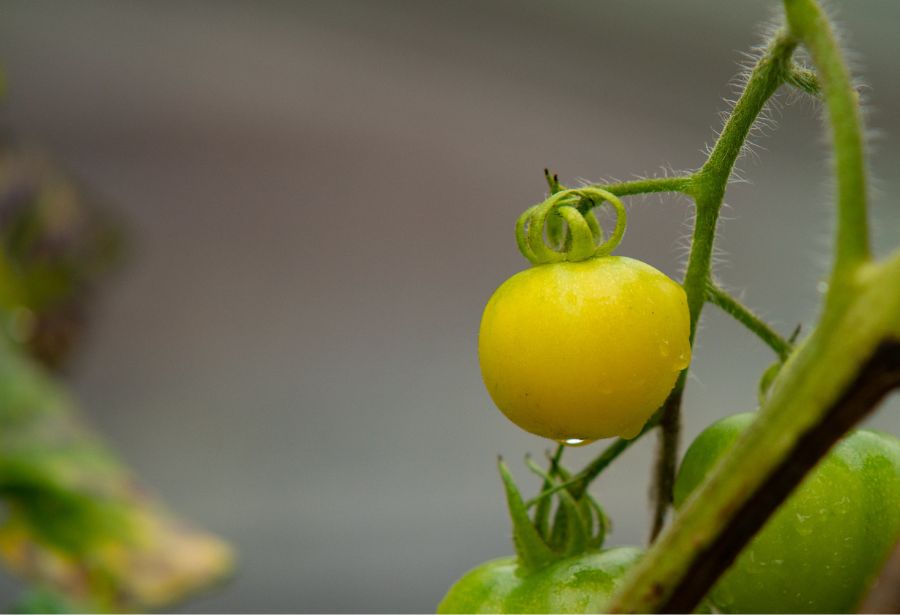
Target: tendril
x=572, y=231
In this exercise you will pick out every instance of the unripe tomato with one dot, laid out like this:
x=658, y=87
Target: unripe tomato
x=577, y=351
x=579, y=584
x=821, y=549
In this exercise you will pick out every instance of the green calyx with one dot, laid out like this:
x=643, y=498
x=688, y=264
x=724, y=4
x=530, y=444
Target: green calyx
x=571, y=228
x=579, y=525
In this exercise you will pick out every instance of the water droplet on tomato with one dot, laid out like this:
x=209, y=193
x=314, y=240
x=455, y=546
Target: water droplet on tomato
x=575, y=441
x=804, y=528
x=753, y=565
x=665, y=349
x=724, y=597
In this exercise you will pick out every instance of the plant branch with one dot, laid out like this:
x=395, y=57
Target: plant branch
x=708, y=189
x=734, y=308
x=804, y=79
x=666, y=463
x=649, y=185
x=808, y=23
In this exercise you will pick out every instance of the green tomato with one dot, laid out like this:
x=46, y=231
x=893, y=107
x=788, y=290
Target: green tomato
x=822, y=548
x=578, y=584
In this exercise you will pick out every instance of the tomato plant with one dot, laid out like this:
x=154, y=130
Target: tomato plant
x=585, y=346
x=820, y=551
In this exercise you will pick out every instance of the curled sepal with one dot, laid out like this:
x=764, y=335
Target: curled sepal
x=597, y=197
x=572, y=531
x=542, y=508
x=521, y=237
x=580, y=239
x=578, y=525
x=556, y=535
x=589, y=509
x=556, y=229
x=603, y=523
x=531, y=549
x=596, y=230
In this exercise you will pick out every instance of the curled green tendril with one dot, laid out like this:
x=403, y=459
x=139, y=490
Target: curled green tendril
x=572, y=230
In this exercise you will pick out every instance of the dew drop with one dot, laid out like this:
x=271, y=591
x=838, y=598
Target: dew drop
x=752, y=565
x=804, y=528
x=665, y=349
x=724, y=597
x=842, y=506
x=575, y=441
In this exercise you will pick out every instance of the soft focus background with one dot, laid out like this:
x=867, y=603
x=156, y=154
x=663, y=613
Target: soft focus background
x=321, y=197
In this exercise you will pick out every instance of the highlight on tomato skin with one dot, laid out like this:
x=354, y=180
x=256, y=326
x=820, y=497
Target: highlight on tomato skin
x=579, y=351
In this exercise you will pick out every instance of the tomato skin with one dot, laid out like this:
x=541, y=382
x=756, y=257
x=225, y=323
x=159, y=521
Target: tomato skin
x=584, y=350
x=579, y=584
x=820, y=551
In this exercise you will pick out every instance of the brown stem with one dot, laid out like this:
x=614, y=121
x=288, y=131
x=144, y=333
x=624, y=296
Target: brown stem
x=879, y=375
x=666, y=461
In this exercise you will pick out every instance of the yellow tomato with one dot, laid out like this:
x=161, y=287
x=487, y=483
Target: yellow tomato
x=578, y=351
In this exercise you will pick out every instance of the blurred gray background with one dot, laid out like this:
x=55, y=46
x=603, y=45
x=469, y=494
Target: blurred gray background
x=322, y=197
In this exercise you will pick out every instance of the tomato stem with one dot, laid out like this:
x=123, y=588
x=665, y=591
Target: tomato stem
x=708, y=189
x=804, y=79
x=580, y=238
x=808, y=23
x=734, y=308
x=649, y=185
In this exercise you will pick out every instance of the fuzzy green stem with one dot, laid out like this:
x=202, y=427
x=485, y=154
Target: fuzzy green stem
x=808, y=23
x=734, y=308
x=708, y=189
x=666, y=459
x=804, y=79
x=649, y=185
